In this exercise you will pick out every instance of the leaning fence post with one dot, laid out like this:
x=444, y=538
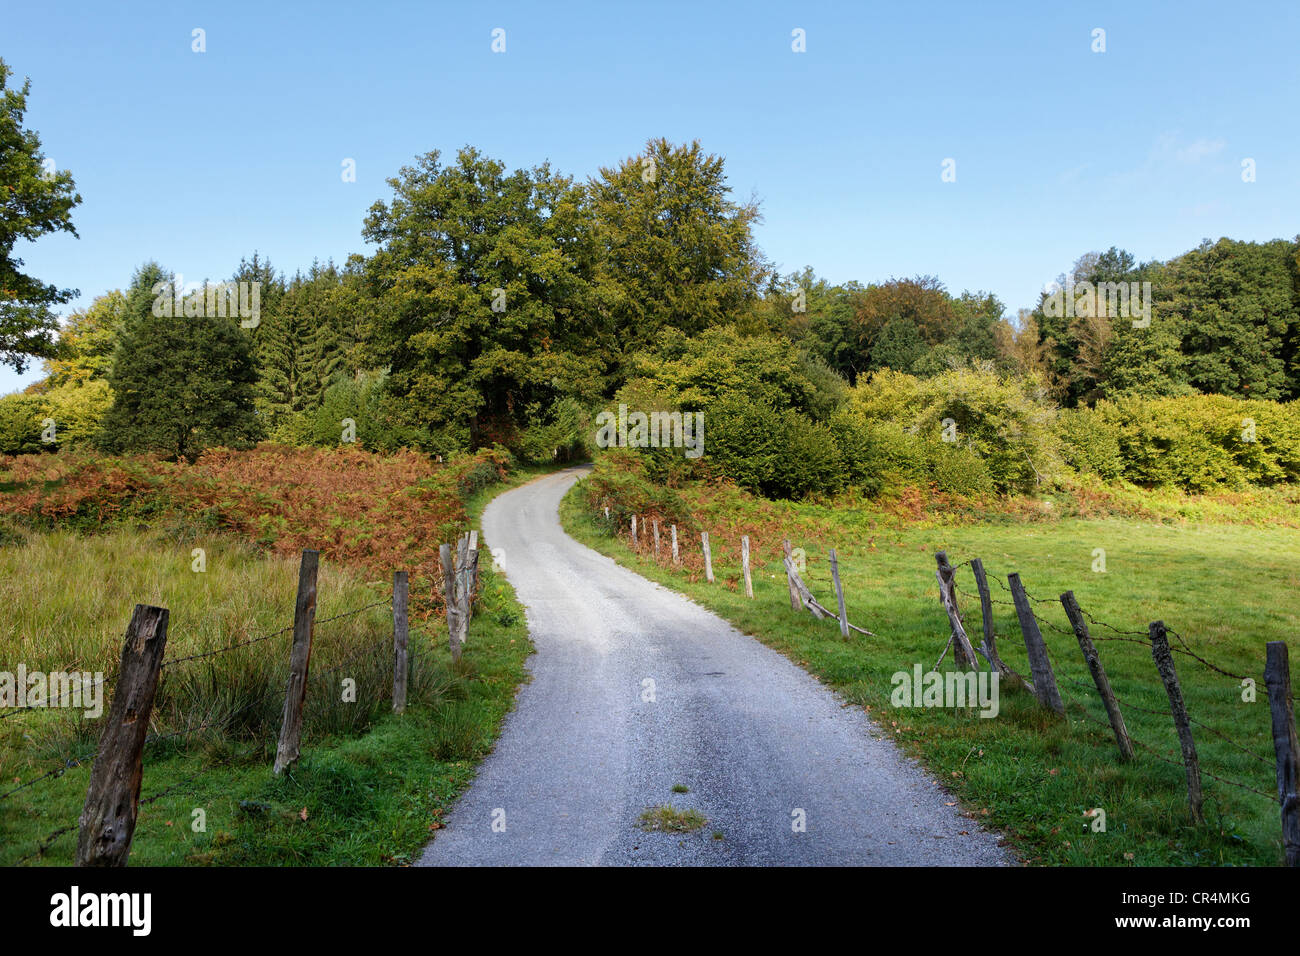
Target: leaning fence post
x=676, y=557
x=1165, y=665
x=990, y=647
x=1277, y=677
x=1093, y=661
x=449, y=599
x=108, y=816
x=401, y=631
x=708, y=557
x=963, y=654
x=796, y=603
x=744, y=563
x=839, y=594
x=1039, y=665
x=304, y=623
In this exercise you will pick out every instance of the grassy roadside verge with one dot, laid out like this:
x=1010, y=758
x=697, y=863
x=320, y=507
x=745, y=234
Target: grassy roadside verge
x=372, y=799
x=1033, y=776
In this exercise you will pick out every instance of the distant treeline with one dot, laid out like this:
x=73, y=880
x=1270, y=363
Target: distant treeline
x=509, y=307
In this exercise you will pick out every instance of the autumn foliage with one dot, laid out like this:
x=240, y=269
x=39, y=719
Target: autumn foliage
x=377, y=513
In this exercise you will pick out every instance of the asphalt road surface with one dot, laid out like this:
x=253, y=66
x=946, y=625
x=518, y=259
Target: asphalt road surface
x=636, y=689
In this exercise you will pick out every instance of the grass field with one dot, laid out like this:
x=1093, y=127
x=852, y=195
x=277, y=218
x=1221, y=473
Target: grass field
x=370, y=787
x=1224, y=588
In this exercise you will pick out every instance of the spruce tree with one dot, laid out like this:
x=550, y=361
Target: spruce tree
x=181, y=383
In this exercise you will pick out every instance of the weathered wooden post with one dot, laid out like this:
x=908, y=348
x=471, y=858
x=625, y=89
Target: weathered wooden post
x=708, y=557
x=744, y=563
x=449, y=599
x=990, y=646
x=1093, y=661
x=108, y=816
x=1164, y=659
x=796, y=603
x=655, y=529
x=462, y=589
x=471, y=582
x=1039, y=665
x=963, y=654
x=401, y=631
x=304, y=623
x=473, y=564
x=677, y=558
x=1277, y=677
x=634, y=541
x=839, y=594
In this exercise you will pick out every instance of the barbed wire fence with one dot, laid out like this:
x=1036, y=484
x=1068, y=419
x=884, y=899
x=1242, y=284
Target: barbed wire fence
x=1044, y=667
x=121, y=742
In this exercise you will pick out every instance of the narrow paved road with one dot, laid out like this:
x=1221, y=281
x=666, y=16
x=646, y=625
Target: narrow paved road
x=759, y=744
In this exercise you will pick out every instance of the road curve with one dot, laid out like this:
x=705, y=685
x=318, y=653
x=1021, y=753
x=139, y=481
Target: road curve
x=759, y=743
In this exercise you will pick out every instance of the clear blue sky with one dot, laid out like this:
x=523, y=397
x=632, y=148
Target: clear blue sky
x=197, y=159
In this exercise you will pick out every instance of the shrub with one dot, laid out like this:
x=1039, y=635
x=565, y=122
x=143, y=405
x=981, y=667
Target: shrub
x=1004, y=423
x=777, y=453
x=20, y=424
x=1193, y=442
x=76, y=409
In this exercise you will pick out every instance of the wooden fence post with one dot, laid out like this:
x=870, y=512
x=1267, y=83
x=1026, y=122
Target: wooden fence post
x=1165, y=665
x=473, y=564
x=677, y=559
x=1277, y=677
x=963, y=653
x=796, y=603
x=304, y=624
x=449, y=599
x=471, y=582
x=744, y=563
x=1039, y=665
x=462, y=590
x=1093, y=661
x=401, y=631
x=990, y=646
x=654, y=526
x=708, y=557
x=108, y=816
x=839, y=594
x=634, y=541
